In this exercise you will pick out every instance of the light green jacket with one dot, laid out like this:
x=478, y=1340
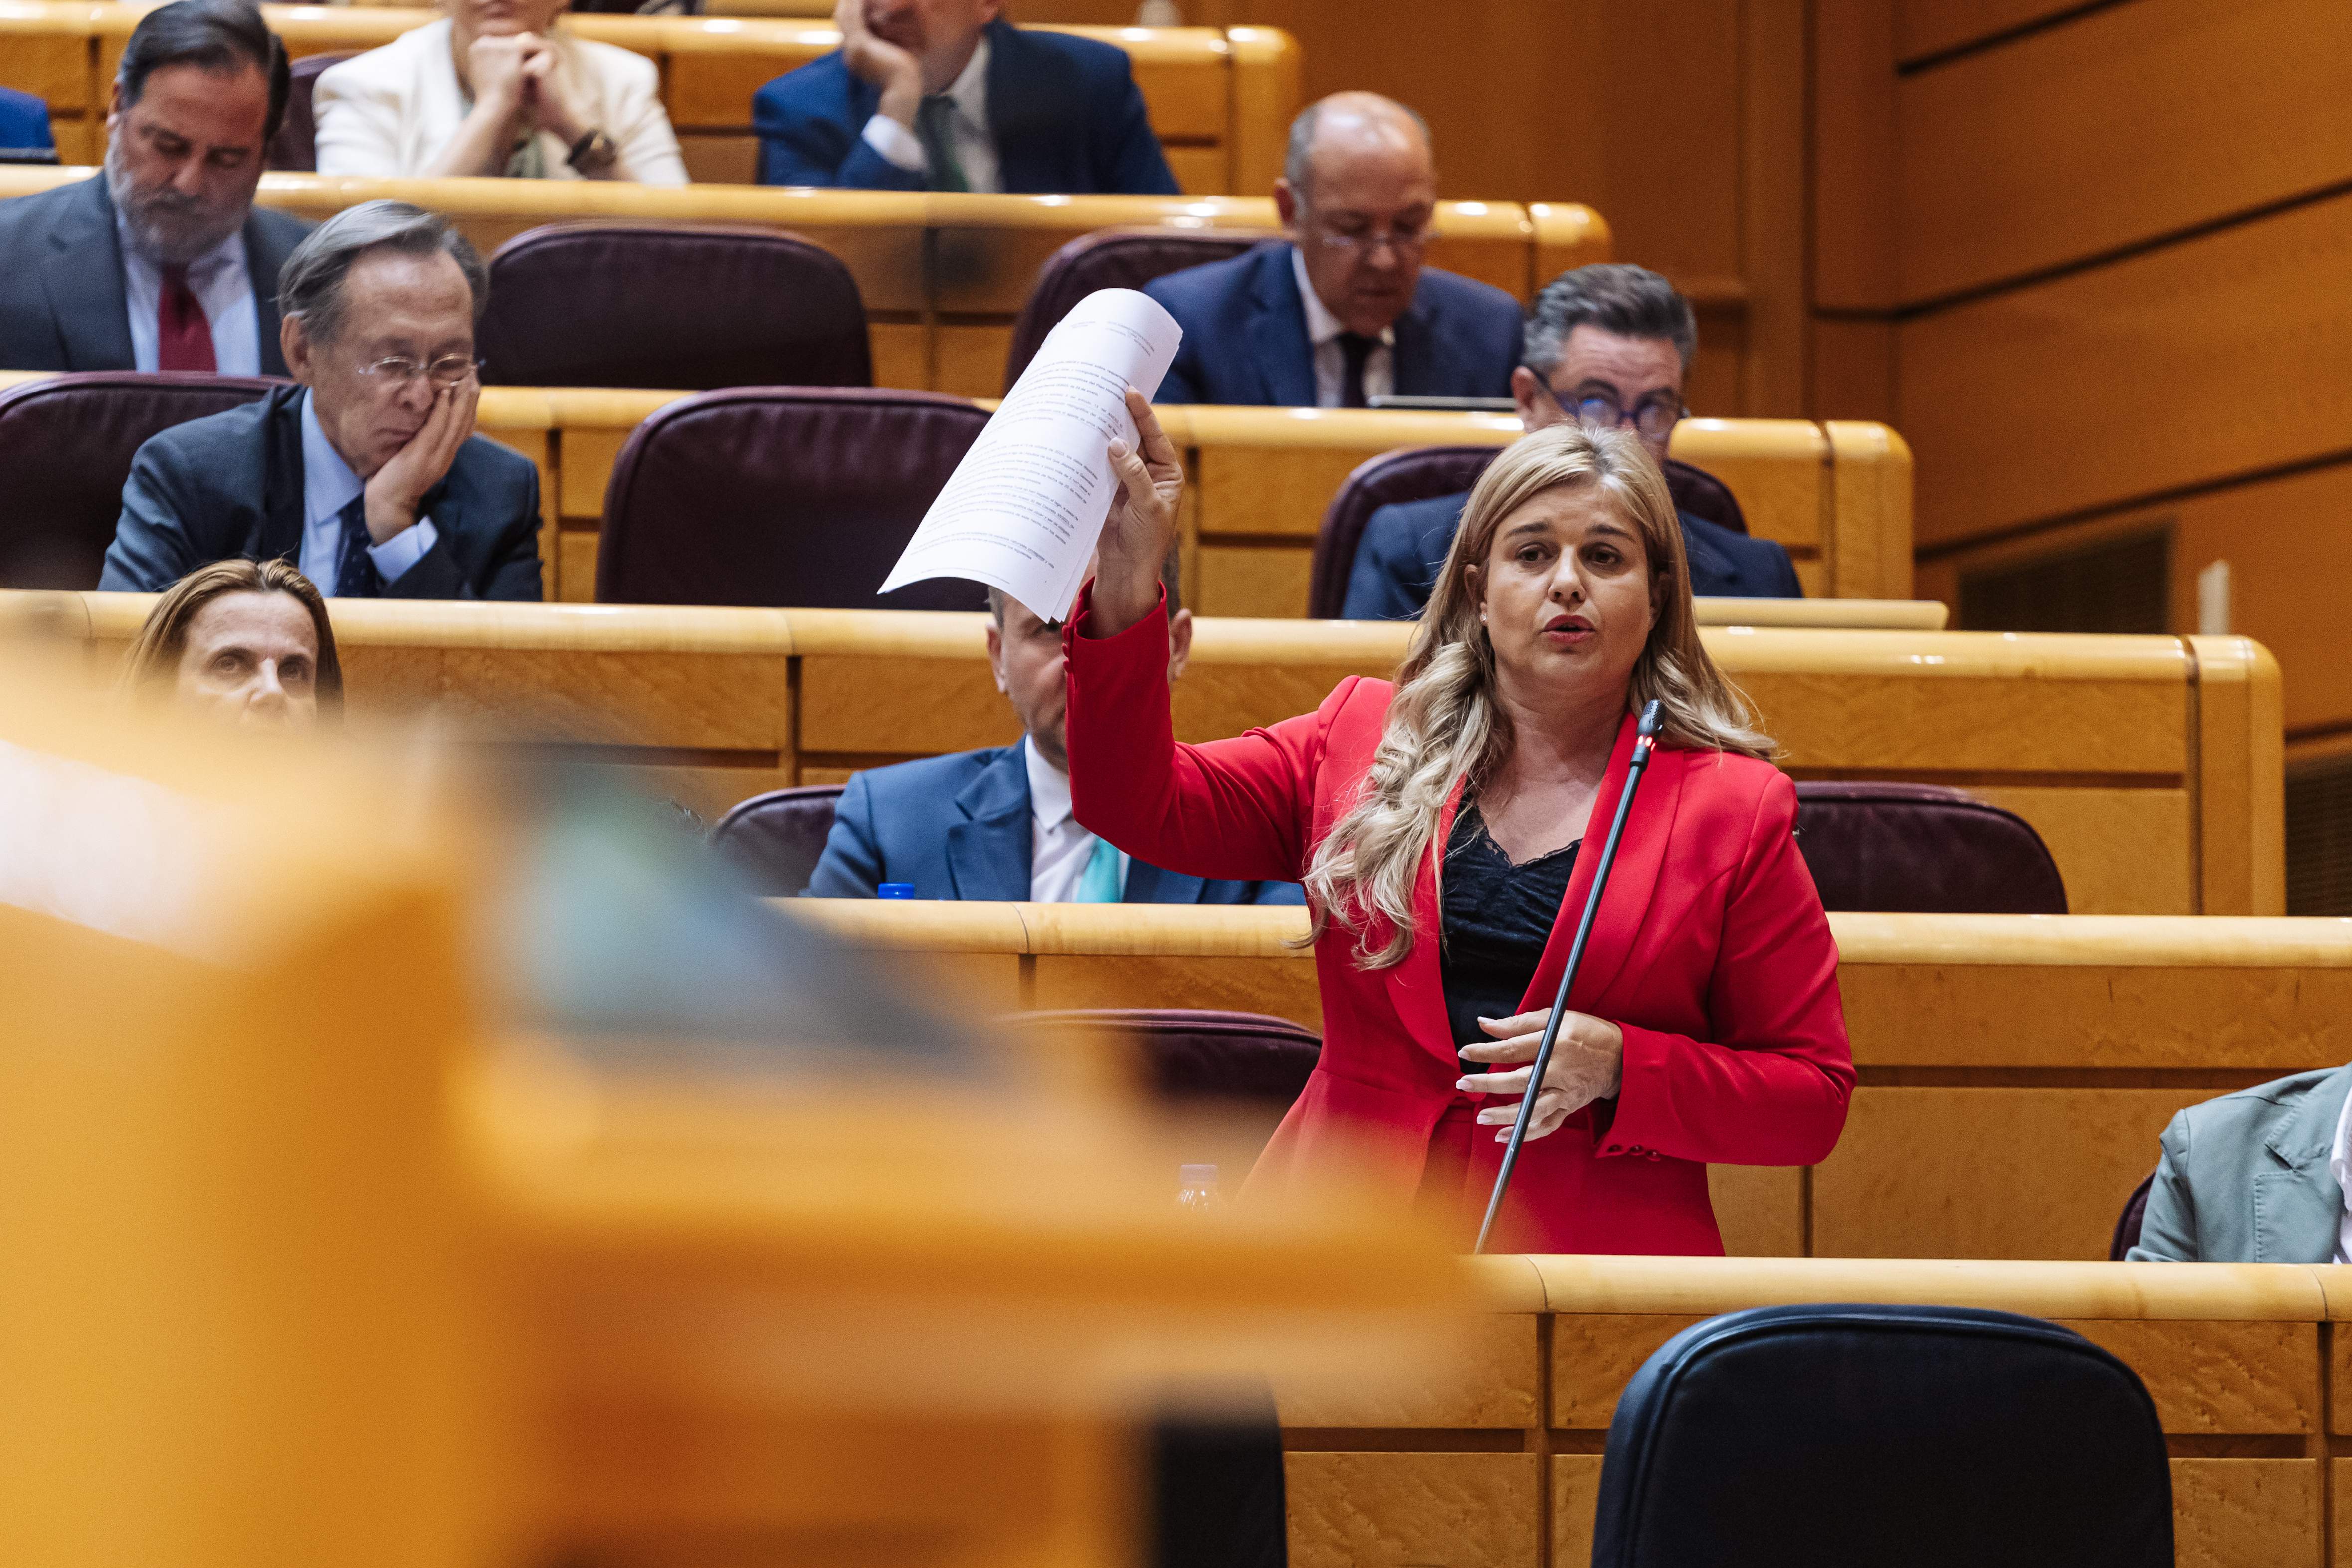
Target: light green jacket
x=2245, y=1178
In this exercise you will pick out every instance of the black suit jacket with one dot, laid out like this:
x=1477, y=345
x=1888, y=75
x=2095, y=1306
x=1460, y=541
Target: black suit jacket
x=61, y=297
x=1245, y=335
x=1404, y=545
x=230, y=485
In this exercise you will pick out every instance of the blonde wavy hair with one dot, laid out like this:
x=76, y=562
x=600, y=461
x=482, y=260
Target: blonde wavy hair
x=1444, y=724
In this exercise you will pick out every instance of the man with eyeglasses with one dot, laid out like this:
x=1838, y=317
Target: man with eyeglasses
x=1607, y=344
x=1343, y=311
x=366, y=473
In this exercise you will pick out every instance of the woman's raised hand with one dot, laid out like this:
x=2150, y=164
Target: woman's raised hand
x=1588, y=1063
x=1141, y=525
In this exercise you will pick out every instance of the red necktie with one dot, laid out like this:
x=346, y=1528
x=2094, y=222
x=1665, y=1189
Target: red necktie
x=183, y=339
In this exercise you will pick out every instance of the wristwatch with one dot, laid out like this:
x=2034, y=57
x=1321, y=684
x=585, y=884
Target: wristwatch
x=593, y=153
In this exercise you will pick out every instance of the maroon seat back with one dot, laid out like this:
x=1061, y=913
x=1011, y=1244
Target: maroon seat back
x=2129, y=1222
x=65, y=446
x=1424, y=473
x=776, y=839
x=295, y=148
x=1247, y=1065
x=1922, y=849
x=1112, y=258
x=782, y=495
x=736, y=307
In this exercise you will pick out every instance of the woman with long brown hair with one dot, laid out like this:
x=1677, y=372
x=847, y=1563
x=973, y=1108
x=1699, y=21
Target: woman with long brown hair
x=247, y=639
x=1439, y=822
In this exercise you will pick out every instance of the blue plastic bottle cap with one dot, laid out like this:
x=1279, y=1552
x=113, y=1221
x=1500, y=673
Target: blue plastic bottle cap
x=895, y=890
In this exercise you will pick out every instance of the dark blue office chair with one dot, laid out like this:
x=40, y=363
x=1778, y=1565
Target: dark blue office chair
x=1856, y=1437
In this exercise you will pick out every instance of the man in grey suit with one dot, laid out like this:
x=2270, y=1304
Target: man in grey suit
x=161, y=262
x=2257, y=1176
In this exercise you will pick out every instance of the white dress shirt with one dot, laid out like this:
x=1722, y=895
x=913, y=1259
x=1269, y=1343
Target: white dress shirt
x=221, y=285
x=1323, y=330
x=975, y=150
x=328, y=487
x=2339, y=1166
x=1058, y=847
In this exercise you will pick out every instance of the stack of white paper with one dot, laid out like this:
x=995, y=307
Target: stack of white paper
x=1024, y=508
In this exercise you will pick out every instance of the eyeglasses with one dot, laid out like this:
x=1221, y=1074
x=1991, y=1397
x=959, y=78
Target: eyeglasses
x=1655, y=417
x=1405, y=239
x=449, y=369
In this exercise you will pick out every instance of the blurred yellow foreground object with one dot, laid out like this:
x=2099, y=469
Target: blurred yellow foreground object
x=306, y=1262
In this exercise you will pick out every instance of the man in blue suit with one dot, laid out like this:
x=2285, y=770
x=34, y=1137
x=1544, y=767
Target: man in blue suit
x=25, y=134
x=1343, y=311
x=996, y=824
x=944, y=95
x=1608, y=344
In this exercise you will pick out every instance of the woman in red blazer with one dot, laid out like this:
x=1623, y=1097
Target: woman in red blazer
x=1437, y=824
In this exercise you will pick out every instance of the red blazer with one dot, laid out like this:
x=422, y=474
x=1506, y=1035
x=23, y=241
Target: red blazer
x=1711, y=952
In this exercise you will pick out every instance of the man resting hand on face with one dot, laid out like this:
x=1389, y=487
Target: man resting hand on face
x=367, y=475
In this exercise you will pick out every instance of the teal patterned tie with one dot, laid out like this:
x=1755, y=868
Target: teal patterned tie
x=1100, y=882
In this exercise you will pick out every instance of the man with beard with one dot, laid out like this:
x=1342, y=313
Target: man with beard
x=162, y=262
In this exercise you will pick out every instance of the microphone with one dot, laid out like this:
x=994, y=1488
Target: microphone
x=1645, y=740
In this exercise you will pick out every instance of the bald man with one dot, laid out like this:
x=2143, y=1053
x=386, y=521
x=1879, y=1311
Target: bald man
x=1342, y=312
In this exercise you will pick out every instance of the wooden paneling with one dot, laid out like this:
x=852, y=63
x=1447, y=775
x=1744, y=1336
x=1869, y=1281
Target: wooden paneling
x=1987, y=1172
x=1854, y=163
x=1934, y=27
x=2287, y=549
x=1595, y=1354
x=1575, y=1499
x=2091, y=834
x=2220, y=1378
x=1412, y=1510
x=2214, y=357
x=2246, y=1513
x=1760, y=1209
x=2137, y=121
x=1491, y=1384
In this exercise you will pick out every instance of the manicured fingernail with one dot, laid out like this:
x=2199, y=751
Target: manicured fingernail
x=1462, y=1083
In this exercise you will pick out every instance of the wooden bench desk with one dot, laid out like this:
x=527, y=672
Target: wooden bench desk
x=2150, y=765
x=1499, y=1467
x=1838, y=494
x=942, y=276
x=1221, y=99
x=2014, y=1069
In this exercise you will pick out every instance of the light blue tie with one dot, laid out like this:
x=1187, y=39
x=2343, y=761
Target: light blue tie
x=1100, y=882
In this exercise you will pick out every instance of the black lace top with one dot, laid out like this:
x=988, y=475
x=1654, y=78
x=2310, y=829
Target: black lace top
x=1497, y=918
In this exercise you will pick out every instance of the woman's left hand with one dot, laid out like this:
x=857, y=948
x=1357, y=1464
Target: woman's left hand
x=1588, y=1063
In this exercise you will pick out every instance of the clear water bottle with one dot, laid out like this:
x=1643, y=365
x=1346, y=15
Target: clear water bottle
x=895, y=890
x=1196, y=1191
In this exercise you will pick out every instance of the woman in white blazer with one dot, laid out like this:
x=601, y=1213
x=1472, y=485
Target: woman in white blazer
x=496, y=89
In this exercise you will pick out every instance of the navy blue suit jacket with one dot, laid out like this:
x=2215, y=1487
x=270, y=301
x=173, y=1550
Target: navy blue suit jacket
x=958, y=826
x=1404, y=545
x=1065, y=114
x=25, y=126
x=1245, y=335
x=230, y=485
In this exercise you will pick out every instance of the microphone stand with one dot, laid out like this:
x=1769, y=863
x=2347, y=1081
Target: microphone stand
x=1646, y=737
